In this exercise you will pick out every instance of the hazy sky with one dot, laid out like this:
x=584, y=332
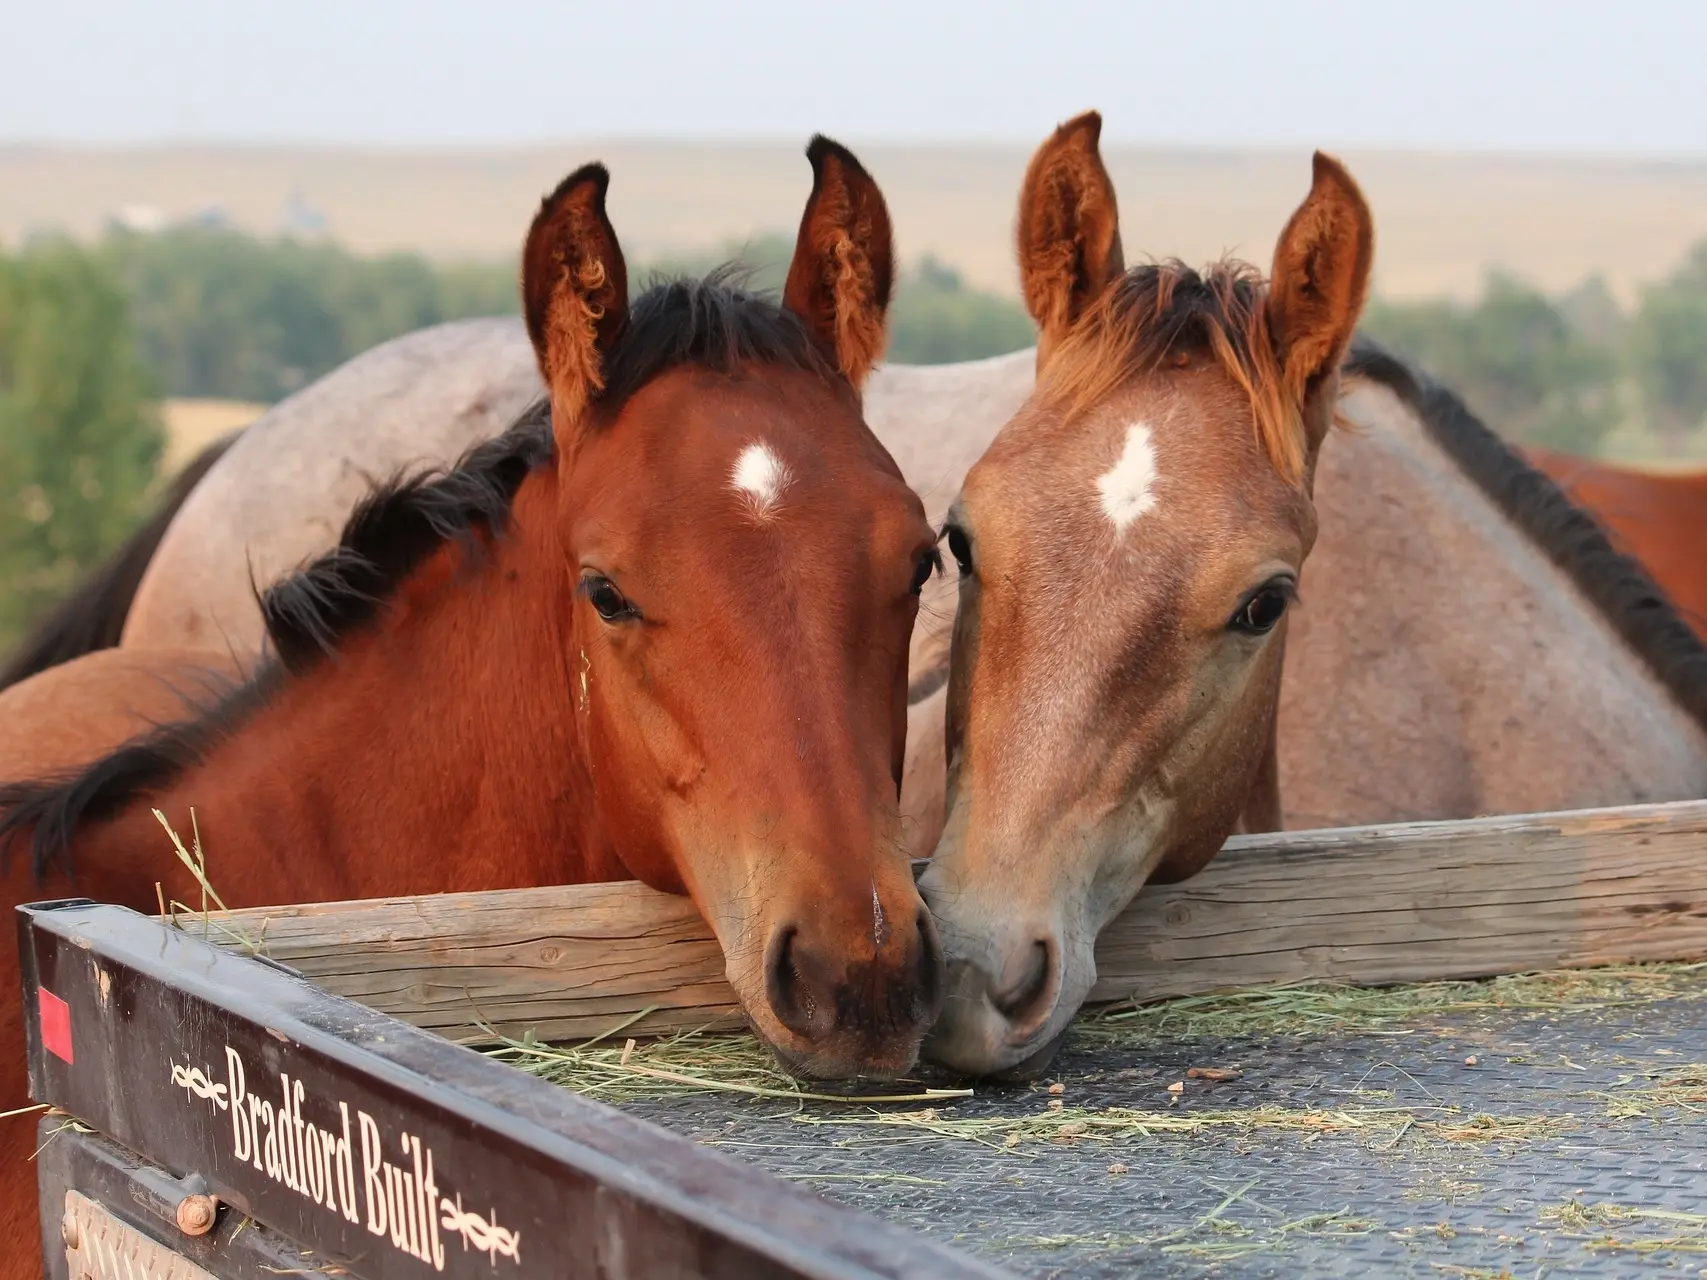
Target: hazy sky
x=1605, y=76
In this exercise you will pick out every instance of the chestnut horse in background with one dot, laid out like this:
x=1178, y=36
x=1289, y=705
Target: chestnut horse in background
x=658, y=630
x=1658, y=517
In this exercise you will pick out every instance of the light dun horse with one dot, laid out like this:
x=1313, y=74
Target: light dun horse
x=1131, y=552
x=1128, y=549
x=657, y=630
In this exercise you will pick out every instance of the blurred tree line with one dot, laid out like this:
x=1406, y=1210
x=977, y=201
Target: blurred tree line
x=934, y=317
x=1564, y=372
x=223, y=315
x=80, y=439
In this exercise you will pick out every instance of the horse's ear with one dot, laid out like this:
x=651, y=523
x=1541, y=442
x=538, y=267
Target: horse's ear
x=574, y=290
x=1321, y=277
x=1069, y=230
x=844, y=261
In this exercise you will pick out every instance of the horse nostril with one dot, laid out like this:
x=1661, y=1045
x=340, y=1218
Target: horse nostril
x=817, y=992
x=927, y=994
x=1019, y=1001
x=791, y=999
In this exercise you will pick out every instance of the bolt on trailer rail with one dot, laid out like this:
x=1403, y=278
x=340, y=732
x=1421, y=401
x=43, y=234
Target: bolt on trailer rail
x=218, y=1115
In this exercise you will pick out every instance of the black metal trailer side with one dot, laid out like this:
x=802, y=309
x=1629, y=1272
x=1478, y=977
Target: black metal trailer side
x=218, y=1115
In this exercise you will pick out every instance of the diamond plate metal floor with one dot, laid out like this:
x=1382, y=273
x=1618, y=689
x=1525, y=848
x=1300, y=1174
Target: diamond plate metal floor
x=1576, y=1145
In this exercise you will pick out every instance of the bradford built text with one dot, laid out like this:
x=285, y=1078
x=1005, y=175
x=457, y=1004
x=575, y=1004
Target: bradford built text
x=319, y=1161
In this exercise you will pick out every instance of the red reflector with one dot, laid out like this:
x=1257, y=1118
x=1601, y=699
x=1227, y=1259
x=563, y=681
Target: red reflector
x=55, y=1024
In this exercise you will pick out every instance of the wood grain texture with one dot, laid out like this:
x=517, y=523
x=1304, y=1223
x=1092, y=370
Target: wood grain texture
x=1400, y=903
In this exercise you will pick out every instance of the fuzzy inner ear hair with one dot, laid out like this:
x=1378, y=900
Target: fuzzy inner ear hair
x=843, y=270
x=574, y=289
x=1068, y=229
x=1320, y=277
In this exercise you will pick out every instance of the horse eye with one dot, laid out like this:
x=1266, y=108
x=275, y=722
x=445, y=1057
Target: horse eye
x=960, y=549
x=611, y=604
x=928, y=564
x=1259, y=615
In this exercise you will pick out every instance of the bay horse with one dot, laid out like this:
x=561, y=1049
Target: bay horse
x=1657, y=517
x=1131, y=553
x=656, y=630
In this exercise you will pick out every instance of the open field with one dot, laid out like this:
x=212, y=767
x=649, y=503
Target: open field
x=193, y=424
x=1443, y=219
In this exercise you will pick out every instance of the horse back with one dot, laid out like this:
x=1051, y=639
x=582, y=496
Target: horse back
x=283, y=493
x=71, y=715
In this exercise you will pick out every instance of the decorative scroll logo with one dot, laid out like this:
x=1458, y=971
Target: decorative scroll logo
x=486, y=1237
x=400, y=1200
x=193, y=1079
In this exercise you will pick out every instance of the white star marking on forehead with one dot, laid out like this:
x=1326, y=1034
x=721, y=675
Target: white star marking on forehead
x=761, y=477
x=1128, y=487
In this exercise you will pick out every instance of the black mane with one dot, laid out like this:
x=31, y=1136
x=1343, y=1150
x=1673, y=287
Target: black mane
x=395, y=528
x=1633, y=604
x=710, y=323
x=52, y=809
x=713, y=323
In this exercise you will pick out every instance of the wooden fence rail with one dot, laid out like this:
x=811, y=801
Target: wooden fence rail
x=1406, y=902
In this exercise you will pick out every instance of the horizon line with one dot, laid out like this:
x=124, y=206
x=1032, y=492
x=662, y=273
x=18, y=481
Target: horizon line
x=989, y=143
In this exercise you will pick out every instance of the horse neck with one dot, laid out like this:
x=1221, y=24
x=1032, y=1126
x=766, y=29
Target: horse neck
x=436, y=752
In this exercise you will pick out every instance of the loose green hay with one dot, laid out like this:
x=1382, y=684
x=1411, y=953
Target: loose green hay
x=904, y=1179
x=1306, y=1009
x=1214, y=1235
x=1376, y=1127
x=704, y=1062
x=1688, y=1231
x=195, y=862
x=1672, y=1090
x=690, y=1063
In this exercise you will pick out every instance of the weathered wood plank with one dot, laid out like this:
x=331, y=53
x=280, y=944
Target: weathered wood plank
x=1397, y=903
x=566, y=962
x=1422, y=901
